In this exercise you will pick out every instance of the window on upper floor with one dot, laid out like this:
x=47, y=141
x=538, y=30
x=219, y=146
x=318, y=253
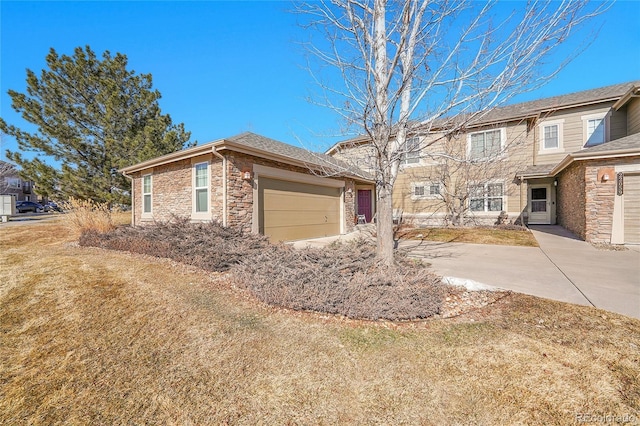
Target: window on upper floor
x=485, y=144
x=551, y=135
x=488, y=197
x=14, y=182
x=411, y=151
x=146, y=194
x=595, y=129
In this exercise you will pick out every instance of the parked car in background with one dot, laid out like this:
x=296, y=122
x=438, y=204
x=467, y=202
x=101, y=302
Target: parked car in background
x=50, y=206
x=29, y=206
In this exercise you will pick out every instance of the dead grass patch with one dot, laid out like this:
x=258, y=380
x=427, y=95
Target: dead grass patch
x=89, y=336
x=499, y=235
x=344, y=279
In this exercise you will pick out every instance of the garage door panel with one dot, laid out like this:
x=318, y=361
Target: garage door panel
x=299, y=233
x=632, y=209
x=293, y=211
x=299, y=218
x=277, y=200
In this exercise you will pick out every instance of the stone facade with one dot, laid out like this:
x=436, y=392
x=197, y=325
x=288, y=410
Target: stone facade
x=570, y=199
x=172, y=190
x=586, y=200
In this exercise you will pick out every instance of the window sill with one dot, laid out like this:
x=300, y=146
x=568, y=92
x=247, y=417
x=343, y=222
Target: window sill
x=201, y=216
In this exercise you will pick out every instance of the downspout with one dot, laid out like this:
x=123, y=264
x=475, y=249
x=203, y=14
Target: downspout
x=224, y=185
x=133, y=199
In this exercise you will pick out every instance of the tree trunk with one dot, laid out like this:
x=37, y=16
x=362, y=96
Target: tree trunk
x=384, y=224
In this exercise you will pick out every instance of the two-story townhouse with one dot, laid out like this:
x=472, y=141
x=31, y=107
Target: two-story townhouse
x=12, y=184
x=572, y=159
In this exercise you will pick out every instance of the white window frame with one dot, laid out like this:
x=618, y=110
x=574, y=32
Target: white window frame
x=411, y=158
x=486, y=197
x=426, y=190
x=195, y=214
x=560, y=148
x=149, y=194
x=604, y=116
x=503, y=138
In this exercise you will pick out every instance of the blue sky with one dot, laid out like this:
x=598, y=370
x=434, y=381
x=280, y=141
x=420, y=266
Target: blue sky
x=228, y=67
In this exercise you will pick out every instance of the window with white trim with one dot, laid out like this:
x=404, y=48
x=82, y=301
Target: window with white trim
x=146, y=194
x=488, y=197
x=485, y=144
x=411, y=151
x=425, y=190
x=201, y=187
x=595, y=129
x=551, y=136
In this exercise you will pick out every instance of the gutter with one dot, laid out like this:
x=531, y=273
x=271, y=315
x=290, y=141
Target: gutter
x=224, y=184
x=133, y=198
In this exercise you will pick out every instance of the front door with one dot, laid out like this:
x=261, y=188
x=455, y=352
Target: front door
x=539, y=203
x=364, y=203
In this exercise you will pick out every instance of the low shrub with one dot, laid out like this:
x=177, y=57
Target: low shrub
x=209, y=246
x=344, y=279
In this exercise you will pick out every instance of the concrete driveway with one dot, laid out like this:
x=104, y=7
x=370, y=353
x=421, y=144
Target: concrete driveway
x=563, y=268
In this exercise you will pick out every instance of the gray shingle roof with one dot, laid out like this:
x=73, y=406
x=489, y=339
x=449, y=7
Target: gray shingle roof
x=539, y=170
x=627, y=143
x=268, y=145
x=530, y=108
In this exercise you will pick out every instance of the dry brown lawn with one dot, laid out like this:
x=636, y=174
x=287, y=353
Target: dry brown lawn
x=89, y=336
x=479, y=235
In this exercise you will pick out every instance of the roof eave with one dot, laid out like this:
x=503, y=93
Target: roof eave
x=236, y=147
x=632, y=93
x=578, y=156
x=169, y=158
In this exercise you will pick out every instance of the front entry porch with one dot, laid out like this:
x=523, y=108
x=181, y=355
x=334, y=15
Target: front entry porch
x=541, y=201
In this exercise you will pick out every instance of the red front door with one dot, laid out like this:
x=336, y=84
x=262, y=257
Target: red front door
x=364, y=203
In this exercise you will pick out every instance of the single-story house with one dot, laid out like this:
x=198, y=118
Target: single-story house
x=252, y=183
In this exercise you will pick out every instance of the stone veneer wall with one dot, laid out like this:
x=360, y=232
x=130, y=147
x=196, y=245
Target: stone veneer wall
x=585, y=202
x=570, y=199
x=600, y=197
x=240, y=191
x=171, y=192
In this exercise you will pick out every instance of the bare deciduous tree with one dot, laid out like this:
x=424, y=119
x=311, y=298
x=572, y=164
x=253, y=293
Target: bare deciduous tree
x=7, y=170
x=396, y=67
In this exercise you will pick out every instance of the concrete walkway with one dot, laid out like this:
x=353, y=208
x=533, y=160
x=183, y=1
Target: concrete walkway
x=563, y=268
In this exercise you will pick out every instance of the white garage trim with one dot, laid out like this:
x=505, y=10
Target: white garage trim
x=617, y=227
x=273, y=172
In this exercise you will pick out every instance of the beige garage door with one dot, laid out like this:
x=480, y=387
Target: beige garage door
x=632, y=209
x=295, y=211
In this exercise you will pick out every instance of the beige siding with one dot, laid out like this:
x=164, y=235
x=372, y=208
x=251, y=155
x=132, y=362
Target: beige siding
x=632, y=209
x=518, y=155
x=618, y=124
x=574, y=130
x=633, y=116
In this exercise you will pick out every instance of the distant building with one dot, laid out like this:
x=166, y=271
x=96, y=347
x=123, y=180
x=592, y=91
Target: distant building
x=12, y=184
